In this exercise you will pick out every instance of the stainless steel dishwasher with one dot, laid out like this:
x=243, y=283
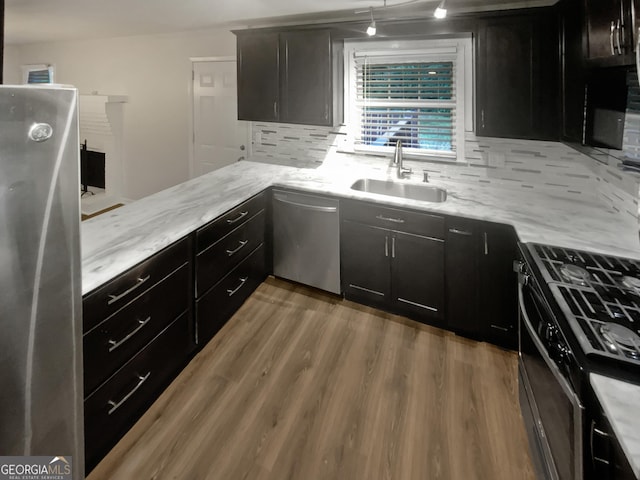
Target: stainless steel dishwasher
x=306, y=239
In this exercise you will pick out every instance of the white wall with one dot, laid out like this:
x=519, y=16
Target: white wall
x=11, y=72
x=155, y=73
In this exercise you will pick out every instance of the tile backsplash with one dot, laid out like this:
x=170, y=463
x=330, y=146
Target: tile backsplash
x=550, y=167
x=295, y=145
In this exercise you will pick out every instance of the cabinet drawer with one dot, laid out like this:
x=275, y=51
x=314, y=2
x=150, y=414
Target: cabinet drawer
x=112, y=343
x=215, y=262
x=394, y=219
x=109, y=298
x=221, y=226
x=220, y=303
x=111, y=410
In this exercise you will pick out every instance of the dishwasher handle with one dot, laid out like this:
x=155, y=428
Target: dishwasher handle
x=315, y=208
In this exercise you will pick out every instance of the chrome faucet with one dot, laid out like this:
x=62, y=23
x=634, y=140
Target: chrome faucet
x=402, y=172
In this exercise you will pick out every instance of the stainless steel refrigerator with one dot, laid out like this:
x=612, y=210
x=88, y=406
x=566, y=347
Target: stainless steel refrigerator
x=40, y=281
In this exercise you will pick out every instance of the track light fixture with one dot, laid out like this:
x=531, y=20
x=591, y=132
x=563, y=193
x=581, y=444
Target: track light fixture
x=440, y=11
x=371, y=29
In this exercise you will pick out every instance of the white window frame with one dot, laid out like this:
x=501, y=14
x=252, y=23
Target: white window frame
x=26, y=69
x=458, y=49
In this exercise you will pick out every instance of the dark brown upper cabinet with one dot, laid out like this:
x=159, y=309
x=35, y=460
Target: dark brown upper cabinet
x=517, y=76
x=290, y=76
x=258, y=76
x=610, y=37
x=572, y=70
x=1, y=38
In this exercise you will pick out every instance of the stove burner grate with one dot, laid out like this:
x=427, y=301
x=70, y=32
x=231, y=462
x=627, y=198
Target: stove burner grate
x=608, y=317
x=632, y=283
x=575, y=274
x=618, y=337
x=602, y=269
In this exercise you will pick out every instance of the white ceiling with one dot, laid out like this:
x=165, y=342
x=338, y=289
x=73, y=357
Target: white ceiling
x=35, y=21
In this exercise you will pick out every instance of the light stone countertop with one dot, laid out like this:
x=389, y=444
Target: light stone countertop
x=620, y=402
x=117, y=240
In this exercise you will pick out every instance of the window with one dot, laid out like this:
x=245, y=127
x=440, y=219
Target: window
x=37, y=74
x=412, y=91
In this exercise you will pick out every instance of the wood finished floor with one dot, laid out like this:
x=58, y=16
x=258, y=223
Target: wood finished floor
x=304, y=385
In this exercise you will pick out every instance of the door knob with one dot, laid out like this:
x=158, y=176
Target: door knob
x=241, y=147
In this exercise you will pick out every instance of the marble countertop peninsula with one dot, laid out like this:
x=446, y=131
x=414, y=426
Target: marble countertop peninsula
x=620, y=401
x=116, y=241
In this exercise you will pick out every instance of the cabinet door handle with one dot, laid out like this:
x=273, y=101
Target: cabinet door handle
x=116, y=405
x=139, y=283
x=486, y=243
x=117, y=343
x=618, y=43
x=595, y=459
x=231, y=292
x=231, y=253
x=613, y=28
x=393, y=247
x=482, y=117
x=498, y=327
x=380, y=294
x=390, y=219
x=460, y=232
x=632, y=31
x=275, y=109
x=386, y=246
x=622, y=25
x=231, y=221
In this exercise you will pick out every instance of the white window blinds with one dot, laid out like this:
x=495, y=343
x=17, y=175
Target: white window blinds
x=37, y=73
x=410, y=96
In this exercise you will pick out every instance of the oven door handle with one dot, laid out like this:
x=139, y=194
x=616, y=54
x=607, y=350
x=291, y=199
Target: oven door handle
x=566, y=388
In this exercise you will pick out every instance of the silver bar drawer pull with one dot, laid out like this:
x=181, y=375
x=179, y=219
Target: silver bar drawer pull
x=498, y=327
x=115, y=344
x=116, y=405
x=139, y=283
x=390, y=219
x=230, y=253
x=232, y=292
x=460, y=232
x=240, y=216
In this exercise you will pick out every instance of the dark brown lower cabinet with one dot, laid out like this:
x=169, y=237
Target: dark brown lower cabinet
x=604, y=457
x=216, y=306
x=138, y=334
x=117, y=404
x=364, y=255
x=462, y=276
x=231, y=262
x=417, y=276
x=391, y=269
x=481, y=287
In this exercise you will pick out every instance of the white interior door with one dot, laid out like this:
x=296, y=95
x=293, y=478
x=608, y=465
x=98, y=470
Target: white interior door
x=219, y=138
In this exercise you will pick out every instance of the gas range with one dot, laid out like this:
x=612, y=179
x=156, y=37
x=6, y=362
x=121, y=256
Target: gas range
x=599, y=296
